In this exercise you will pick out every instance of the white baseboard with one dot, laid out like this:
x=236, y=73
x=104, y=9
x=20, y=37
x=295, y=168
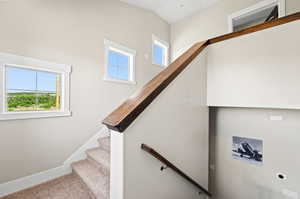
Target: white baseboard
x=33, y=180
x=39, y=178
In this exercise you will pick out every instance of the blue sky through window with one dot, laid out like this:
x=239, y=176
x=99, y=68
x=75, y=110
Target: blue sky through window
x=158, y=53
x=46, y=81
x=118, y=66
x=20, y=80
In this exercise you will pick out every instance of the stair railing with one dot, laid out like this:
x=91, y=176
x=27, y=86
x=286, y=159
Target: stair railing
x=168, y=164
x=121, y=118
x=125, y=114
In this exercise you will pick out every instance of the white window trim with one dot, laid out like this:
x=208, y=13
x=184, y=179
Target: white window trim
x=110, y=45
x=163, y=44
x=256, y=8
x=9, y=60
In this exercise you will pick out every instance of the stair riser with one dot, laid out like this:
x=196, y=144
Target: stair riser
x=87, y=188
x=94, y=171
x=99, y=193
x=102, y=168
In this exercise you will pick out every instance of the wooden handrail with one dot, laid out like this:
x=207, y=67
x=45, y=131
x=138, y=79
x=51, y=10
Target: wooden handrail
x=125, y=114
x=174, y=168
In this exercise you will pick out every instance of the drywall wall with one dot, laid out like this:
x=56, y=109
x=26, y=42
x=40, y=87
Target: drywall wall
x=211, y=22
x=176, y=125
x=292, y=6
x=256, y=70
x=236, y=179
x=71, y=32
x=233, y=179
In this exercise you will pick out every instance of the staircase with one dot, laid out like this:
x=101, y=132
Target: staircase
x=94, y=171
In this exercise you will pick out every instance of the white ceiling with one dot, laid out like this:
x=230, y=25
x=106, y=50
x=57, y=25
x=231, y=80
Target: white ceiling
x=172, y=10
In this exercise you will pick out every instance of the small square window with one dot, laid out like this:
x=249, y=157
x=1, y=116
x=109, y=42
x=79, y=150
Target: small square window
x=119, y=63
x=159, y=55
x=31, y=90
x=160, y=52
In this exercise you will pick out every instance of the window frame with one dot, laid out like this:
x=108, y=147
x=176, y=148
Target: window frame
x=123, y=50
x=165, y=45
x=256, y=8
x=9, y=60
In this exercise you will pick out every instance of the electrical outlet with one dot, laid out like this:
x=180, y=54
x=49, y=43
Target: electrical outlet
x=276, y=118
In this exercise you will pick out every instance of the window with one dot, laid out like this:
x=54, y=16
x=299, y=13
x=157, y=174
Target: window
x=119, y=63
x=33, y=88
x=261, y=12
x=160, y=52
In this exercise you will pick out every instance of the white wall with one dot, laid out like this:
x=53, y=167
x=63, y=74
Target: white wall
x=236, y=179
x=70, y=32
x=256, y=70
x=176, y=125
x=211, y=22
x=232, y=179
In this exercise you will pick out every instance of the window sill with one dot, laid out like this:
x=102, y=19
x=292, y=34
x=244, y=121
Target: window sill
x=119, y=81
x=34, y=115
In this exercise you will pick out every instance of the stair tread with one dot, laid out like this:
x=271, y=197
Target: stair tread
x=95, y=180
x=105, y=143
x=101, y=156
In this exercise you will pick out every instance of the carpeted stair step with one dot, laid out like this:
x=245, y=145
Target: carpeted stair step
x=104, y=143
x=100, y=158
x=96, y=181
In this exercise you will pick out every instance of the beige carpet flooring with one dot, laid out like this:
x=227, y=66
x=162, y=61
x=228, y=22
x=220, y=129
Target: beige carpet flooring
x=66, y=187
x=90, y=179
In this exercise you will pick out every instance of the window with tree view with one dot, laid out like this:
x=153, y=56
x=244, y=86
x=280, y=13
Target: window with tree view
x=32, y=90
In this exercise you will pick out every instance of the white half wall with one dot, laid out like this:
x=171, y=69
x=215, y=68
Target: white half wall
x=257, y=70
x=175, y=125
